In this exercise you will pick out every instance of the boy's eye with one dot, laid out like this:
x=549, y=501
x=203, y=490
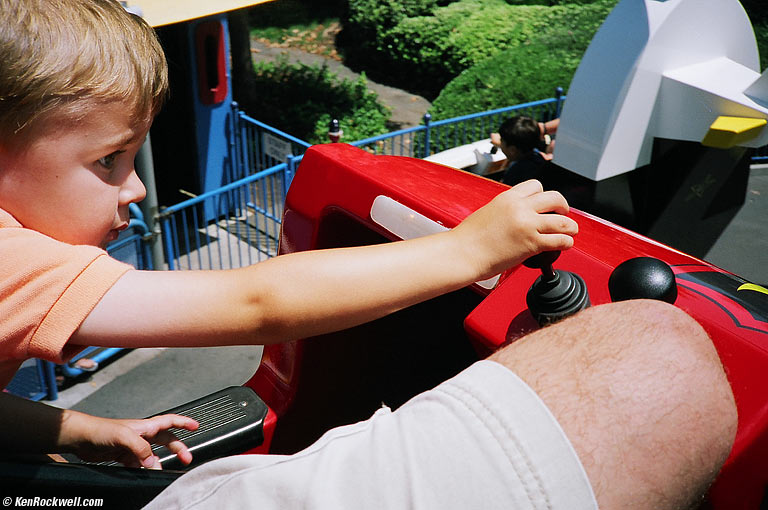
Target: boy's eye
x=108, y=161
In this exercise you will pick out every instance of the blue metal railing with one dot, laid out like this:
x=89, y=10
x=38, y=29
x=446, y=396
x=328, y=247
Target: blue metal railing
x=436, y=136
x=257, y=146
x=244, y=226
x=244, y=230
x=34, y=380
x=760, y=156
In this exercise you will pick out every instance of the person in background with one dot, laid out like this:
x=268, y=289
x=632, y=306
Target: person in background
x=527, y=144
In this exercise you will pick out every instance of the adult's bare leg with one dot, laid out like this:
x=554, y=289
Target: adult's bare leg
x=639, y=390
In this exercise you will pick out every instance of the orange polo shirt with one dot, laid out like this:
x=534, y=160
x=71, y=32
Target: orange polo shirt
x=47, y=289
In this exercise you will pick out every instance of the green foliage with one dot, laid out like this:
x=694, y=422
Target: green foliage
x=364, y=41
x=546, y=58
x=423, y=52
x=761, y=34
x=513, y=77
x=301, y=99
x=275, y=16
x=378, y=16
x=757, y=10
x=296, y=23
x=550, y=3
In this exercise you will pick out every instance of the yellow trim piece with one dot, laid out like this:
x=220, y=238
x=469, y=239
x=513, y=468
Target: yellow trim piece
x=752, y=286
x=164, y=12
x=726, y=132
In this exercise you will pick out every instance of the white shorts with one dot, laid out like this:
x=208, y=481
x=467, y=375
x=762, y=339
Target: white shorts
x=481, y=440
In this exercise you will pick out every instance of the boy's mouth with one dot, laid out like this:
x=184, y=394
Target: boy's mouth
x=113, y=234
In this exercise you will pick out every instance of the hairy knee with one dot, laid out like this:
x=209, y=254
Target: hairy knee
x=639, y=389
x=668, y=361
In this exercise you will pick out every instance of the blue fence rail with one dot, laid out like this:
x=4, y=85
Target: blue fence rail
x=436, y=136
x=257, y=146
x=244, y=230
x=239, y=223
x=760, y=156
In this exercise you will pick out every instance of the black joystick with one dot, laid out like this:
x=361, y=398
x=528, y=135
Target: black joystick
x=643, y=277
x=555, y=294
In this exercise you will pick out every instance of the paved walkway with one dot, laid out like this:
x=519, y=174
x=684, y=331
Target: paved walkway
x=407, y=109
x=742, y=248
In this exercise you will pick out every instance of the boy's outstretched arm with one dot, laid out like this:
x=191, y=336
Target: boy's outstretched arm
x=89, y=437
x=308, y=293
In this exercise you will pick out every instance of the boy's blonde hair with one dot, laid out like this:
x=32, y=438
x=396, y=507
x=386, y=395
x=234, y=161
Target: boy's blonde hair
x=60, y=58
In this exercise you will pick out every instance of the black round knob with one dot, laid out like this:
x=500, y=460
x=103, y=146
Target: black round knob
x=643, y=278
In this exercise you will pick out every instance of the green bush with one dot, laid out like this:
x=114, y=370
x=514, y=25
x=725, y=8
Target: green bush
x=527, y=71
x=550, y=3
x=757, y=10
x=301, y=100
x=422, y=53
x=761, y=34
x=513, y=77
x=376, y=17
x=363, y=38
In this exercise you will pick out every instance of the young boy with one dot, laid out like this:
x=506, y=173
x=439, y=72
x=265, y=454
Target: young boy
x=524, y=142
x=77, y=102
x=600, y=411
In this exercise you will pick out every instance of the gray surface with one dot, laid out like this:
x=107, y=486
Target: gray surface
x=743, y=246
x=148, y=381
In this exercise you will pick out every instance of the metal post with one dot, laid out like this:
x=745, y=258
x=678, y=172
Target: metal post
x=149, y=206
x=234, y=159
x=334, y=131
x=288, y=175
x=427, y=118
x=559, y=102
x=166, y=232
x=49, y=375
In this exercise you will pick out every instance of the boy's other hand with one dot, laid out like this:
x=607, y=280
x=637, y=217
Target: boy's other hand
x=126, y=441
x=515, y=225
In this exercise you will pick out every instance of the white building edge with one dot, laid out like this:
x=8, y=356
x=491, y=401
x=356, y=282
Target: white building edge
x=677, y=69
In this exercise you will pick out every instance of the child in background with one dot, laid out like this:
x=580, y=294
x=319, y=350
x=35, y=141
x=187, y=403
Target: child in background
x=527, y=144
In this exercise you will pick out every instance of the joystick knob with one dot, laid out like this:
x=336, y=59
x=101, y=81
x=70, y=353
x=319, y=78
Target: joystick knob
x=543, y=261
x=643, y=277
x=555, y=294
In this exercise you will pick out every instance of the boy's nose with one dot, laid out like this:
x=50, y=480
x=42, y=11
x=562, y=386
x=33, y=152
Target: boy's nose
x=132, y=190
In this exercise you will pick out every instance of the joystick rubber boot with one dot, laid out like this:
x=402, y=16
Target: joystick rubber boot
x=555, y=294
